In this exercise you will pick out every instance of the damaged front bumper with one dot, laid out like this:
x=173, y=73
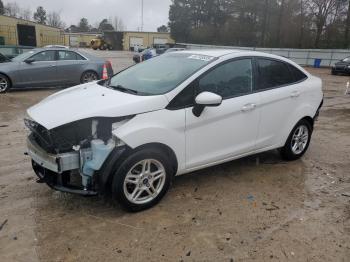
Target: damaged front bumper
x=63, y=172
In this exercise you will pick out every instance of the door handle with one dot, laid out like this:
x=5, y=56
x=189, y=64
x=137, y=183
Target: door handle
x=295, y=94
x=248, y=107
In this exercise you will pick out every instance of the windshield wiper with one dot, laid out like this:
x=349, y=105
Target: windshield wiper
x=123, y=89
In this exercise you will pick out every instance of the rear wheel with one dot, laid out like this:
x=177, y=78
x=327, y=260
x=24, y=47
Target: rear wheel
x=142, y=180
x=298, y=141
x=88, y=76
x=5, y=83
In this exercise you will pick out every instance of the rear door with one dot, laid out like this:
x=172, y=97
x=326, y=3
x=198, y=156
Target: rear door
x=70, y=66
x=41, y=72
x=279, y=97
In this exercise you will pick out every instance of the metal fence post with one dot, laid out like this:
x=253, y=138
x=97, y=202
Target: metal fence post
x=330, y=61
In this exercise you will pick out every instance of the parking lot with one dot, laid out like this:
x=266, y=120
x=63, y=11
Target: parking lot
x=255, y=209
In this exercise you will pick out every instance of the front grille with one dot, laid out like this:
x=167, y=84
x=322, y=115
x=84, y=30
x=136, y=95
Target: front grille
x=60, y=139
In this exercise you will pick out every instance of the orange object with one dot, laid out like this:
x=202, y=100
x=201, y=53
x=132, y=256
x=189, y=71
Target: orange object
x=104, y=72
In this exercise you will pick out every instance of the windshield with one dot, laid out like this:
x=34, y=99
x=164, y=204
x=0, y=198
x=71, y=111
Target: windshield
x=159, y=75
x=347, y=59
x=23, y=56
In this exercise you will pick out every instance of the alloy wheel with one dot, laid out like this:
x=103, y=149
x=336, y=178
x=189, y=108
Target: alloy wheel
x=89, y=77
x=300, y=139
x=3, y=84
x=144, y=181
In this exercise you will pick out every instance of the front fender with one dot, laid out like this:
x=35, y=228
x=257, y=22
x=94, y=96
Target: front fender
x=163, y=126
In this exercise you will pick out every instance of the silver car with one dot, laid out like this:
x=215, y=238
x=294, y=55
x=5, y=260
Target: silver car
x=52, y=67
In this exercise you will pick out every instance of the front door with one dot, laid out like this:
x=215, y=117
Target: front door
x=229, y=130
x=40, y=72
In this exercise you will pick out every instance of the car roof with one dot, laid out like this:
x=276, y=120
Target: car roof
x=211, y=52
x=225, y=52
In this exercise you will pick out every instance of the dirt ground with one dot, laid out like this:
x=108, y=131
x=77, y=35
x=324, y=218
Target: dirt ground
x=255, y=209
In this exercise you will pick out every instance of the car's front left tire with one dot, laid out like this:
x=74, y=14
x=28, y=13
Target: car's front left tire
x=298, y=141
x=142, y=179
x=5, y=83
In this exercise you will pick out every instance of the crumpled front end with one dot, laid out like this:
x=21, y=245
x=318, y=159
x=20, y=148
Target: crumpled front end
x=70, y=158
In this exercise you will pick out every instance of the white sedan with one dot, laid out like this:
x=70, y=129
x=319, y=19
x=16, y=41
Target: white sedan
x=176, y=113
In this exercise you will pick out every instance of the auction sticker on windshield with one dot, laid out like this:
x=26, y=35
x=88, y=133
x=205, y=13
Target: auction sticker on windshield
x=201, y=57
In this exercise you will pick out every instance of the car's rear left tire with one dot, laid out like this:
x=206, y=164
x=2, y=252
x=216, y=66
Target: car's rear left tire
x=5, y=83
x=142, y=179
x=298, y=141
x=88, y=76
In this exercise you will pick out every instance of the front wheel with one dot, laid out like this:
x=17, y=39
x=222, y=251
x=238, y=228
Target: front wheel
x=298, y=141
x=5, y=83
x=142, y=180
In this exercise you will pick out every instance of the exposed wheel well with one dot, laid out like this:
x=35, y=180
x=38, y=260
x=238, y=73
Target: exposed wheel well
x=310, y=120
x=112, y=164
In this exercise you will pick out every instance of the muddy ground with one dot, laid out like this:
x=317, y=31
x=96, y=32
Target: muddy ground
x=255, y=209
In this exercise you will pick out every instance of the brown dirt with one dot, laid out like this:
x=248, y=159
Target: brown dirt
x=245, y=210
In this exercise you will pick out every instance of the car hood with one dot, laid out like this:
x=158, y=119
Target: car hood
x=91, y=100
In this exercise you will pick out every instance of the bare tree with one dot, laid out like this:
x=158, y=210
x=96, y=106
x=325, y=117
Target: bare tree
x=322, y=10
x=118, y=24
x=12, y=9
x=54, y=19
x=347, y=27
x=25, y=13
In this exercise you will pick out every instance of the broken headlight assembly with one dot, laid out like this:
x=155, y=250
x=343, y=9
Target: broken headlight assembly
x=80, y=147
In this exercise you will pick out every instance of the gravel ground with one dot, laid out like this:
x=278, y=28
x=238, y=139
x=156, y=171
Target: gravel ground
x=255, y=209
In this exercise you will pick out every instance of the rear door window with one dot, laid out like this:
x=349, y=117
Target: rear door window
x=298, y=75
x=272, y=74
x=69, y=55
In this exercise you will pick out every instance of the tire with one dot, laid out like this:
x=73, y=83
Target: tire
x=298, y=141
x=5, y=83
x=129, y=180
x=94, y=48
x=109, y=48
x=88, y=76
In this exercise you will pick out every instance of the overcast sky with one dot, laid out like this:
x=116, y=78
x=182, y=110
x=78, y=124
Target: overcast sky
x=155, y=11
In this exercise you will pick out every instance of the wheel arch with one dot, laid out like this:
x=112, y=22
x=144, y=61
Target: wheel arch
x=8, y=77
x=118, y=156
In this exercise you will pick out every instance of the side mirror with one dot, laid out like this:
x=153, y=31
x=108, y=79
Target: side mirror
x=29, y=60
x=205, y=99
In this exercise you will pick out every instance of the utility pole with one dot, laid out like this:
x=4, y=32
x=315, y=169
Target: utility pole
x=141, y=15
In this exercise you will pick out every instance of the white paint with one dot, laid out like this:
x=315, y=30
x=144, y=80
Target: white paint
x=238, y=127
